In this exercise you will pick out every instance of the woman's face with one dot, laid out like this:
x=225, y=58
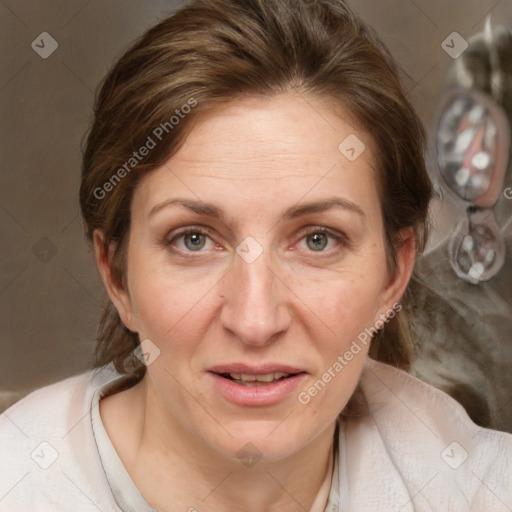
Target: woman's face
x=256, y=257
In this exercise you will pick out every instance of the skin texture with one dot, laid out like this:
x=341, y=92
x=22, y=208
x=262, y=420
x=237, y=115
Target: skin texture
x=294, y=305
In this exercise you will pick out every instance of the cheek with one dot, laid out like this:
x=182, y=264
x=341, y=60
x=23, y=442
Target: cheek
x=345, y=298
x=344, y=306
x=351, y=314
x=167, y=304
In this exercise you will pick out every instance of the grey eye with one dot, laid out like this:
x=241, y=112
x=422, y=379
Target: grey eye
x=317, y=241
x=194, y=241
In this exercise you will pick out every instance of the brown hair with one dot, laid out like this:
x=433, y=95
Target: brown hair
x=214, y=51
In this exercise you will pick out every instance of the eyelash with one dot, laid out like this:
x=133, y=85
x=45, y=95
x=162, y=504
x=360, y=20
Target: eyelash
x=169, y=242
x=340, y=238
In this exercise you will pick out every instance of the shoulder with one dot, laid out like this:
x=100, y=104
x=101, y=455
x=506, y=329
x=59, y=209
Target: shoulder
x=47, y=447
x=419, y=404
x=428, y=437
x=48, y=410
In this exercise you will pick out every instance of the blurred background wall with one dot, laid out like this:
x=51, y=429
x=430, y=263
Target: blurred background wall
x=54, y=53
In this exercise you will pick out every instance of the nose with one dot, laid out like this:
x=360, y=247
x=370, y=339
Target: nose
x=255, y=308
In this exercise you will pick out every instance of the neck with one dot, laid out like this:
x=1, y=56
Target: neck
x=174, y=470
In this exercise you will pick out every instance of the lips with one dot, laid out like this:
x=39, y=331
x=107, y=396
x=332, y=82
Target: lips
x=262, y=385
x=246, y=375
x=247, y=379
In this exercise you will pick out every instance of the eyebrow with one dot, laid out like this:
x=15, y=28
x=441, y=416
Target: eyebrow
x=209, y=209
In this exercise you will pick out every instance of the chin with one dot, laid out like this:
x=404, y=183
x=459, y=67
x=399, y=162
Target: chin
x=269, y=441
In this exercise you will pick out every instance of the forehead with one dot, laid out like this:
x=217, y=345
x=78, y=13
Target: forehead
x=280, y=128
x=267, y=149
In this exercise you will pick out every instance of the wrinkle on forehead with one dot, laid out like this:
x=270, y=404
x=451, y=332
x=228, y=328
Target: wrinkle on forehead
x=274, y=151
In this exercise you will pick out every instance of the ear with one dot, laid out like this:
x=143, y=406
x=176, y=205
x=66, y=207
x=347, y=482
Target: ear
x=405, y=260
x=118, y=295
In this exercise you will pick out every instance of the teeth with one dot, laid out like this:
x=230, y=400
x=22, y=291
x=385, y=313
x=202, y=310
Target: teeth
x=267, y=377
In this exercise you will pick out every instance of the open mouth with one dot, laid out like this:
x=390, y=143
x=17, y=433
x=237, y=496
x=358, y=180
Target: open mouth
x=256, y=386
x=251, y=380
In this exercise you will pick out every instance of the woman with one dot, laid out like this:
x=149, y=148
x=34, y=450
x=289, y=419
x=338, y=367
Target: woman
x=255, y=190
